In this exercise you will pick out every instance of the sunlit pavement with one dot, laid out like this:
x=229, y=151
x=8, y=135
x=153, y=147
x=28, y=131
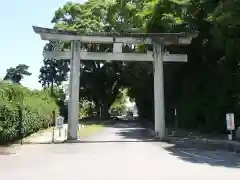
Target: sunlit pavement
x=122, y=151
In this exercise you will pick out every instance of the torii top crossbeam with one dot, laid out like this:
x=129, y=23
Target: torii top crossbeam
x=108, y=37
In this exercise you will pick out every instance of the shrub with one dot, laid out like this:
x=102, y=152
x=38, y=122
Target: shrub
x=21, y=107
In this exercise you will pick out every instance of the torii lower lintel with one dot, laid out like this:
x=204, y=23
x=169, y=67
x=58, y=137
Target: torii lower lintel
x=115, y=56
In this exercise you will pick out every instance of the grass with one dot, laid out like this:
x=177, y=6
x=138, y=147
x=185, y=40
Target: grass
x=86, y=131
x=89, y=130
x=81, y=132
x=49, y=129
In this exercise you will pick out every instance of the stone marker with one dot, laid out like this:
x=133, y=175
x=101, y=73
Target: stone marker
x=238, y=132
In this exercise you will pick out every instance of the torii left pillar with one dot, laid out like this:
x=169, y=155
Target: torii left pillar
x=159, y=110
x=73, y=103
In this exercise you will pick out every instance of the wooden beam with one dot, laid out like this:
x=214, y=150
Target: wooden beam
x=114, y=56
x=175, y=58
x=107, y=37
x=95, y=39
x=107, y=40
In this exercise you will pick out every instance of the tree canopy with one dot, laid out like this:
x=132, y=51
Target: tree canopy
x=202, y=90
x=17, y=74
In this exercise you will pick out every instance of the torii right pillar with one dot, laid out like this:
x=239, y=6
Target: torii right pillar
x=159, y=111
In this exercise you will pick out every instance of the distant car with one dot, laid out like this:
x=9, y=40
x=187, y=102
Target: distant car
x=129, y=115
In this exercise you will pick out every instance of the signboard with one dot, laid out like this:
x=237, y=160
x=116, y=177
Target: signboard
x=59, y=122
x=230, y=121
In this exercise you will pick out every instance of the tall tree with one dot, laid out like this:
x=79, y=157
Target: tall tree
x=53, y=71
x=202, y=90
x=17, y=74
x=206, y=87
x=99, y=79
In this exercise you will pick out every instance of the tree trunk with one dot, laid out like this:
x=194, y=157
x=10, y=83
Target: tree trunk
x=97, y=108
x=104, y=113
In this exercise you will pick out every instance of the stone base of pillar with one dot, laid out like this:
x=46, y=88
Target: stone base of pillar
x=164, y=139
x=71, y=137
x=72, y=141
x=156, y=136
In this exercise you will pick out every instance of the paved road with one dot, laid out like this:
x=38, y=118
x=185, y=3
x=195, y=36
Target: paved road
x=122, y=151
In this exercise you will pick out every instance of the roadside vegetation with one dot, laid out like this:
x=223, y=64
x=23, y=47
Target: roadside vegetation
x=23, y=111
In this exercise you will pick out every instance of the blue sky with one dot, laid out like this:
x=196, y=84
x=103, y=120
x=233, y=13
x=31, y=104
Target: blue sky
x=19, y=44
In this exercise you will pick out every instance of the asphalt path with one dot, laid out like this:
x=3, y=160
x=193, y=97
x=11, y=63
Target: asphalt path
x=121, y=151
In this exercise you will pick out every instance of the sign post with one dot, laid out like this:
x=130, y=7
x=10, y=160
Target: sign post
x=230, y=124
x=59, y=124
x=176, y=120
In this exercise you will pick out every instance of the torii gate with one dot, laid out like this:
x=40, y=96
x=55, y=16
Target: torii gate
x=158, y=56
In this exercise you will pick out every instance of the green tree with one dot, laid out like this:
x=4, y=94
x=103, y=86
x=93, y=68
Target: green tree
x=99, y=79
x=17, y=74
x=53, y=72
x=118, y=106
x=202, y=90
x=206, y=87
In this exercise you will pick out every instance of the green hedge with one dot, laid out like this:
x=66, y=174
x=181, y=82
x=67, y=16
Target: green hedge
x=37, y=107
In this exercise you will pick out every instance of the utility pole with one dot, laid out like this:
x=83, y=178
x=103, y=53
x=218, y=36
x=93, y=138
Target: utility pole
x=21, y=115
x=52, y=94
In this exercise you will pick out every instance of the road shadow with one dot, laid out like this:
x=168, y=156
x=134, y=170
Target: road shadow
x=204, y=155
x=188, y=149
x=6, y=151
x=140, y=134
x=110, y=141
x=90, y=142
x=35, y=142
x=129, y=131
x=128, y=135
